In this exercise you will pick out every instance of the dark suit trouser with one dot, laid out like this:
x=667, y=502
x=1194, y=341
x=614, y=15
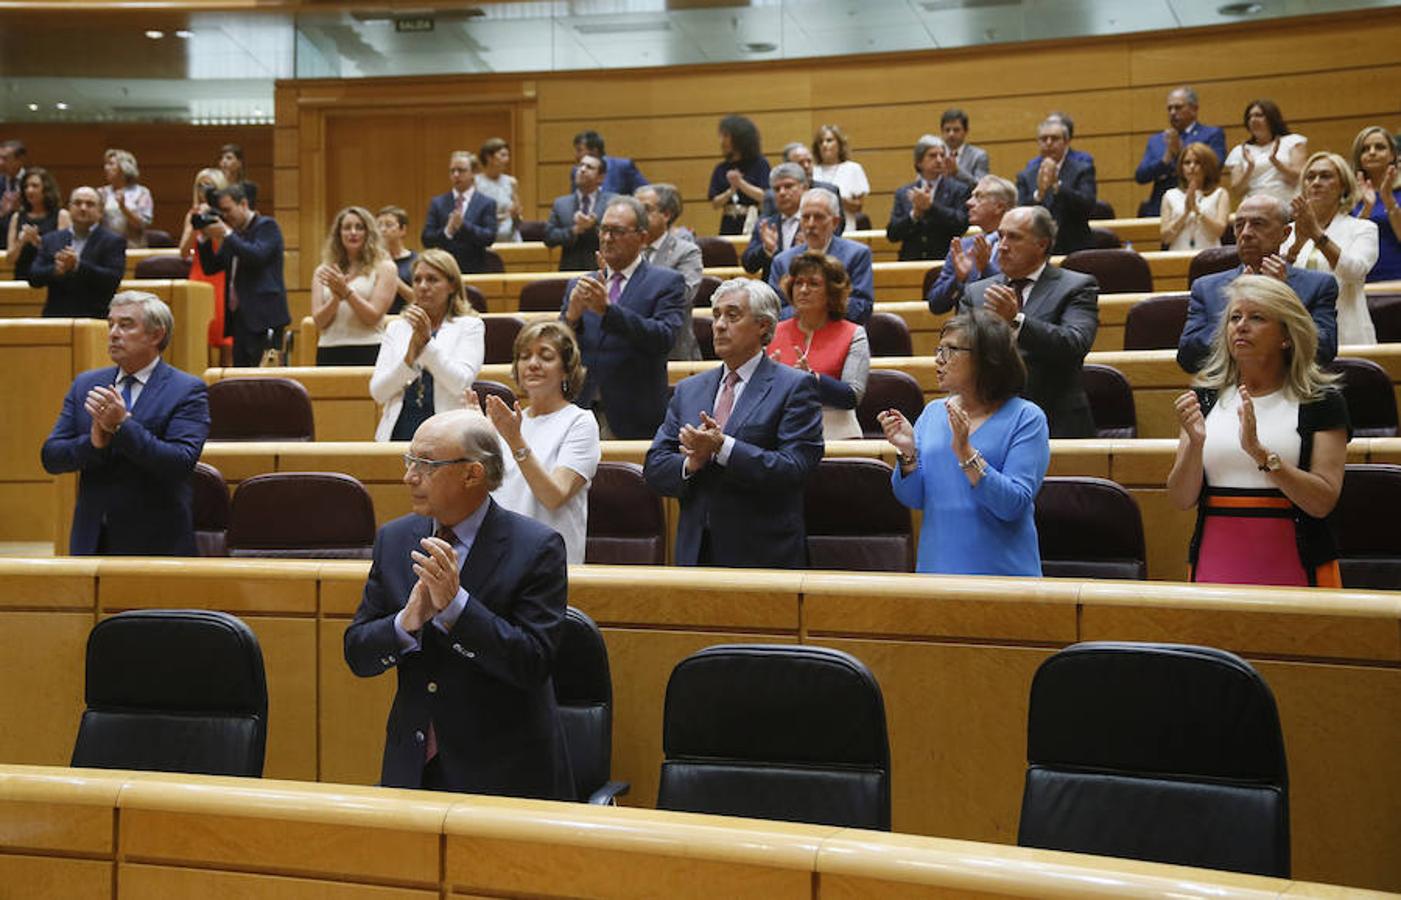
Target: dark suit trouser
x=249, y=344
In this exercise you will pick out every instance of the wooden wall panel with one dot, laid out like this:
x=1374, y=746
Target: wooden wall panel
x=44, y=654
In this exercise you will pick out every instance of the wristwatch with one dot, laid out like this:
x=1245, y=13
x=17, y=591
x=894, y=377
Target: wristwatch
x=1272, y=462
x=904, y=460
x=521, y=454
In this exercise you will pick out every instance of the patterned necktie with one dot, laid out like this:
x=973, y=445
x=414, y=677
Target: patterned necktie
x=584, y=205
x=726, y=404
x=615, y=287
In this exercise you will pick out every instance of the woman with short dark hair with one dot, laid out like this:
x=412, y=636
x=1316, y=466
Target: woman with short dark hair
x=974, y=461
x=738, y=182
x=1271, y=158
x=494, y=182
x=819, y=340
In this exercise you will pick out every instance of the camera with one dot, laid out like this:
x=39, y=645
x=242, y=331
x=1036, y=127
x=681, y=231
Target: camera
x=204, y=220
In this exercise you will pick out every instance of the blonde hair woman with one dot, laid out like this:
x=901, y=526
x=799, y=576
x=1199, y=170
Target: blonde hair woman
x=351, y=290
x=1262, y=445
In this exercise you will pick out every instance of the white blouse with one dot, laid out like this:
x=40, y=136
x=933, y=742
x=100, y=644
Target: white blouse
x=849, y=178
x=566, y=437
x=1193, y=235
x=1276, y=427
x=346, y=330
x=454, y=357
x=1265, y=178
x=1357, y=254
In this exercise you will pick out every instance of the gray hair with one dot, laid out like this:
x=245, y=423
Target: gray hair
x=1043, y=225
x=480, y=443
x=789, y=170
x=764, y=304
x=154, y=313
x=638, y=210
x=1055, y=121
x=829, y=199
x=925, y=142
x=1188, y=93
x=1002, y=190
x=126, y=163
x=1278, y=208
x=668, y=199
x=85, y=187
x=790, y=147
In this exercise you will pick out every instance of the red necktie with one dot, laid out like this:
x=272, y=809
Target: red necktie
x=726, y=404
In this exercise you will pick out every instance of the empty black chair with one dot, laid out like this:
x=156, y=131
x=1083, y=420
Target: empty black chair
x=484, y=388
x=260, y=409
x=584, y=693
x=1089, y=528
x=716, y=252
x=1212, y=260
x=475, y=298
x=1111, y=401
x=169, y=266
x=302, y=515
x=704, y=330
x=533, y=229
x=705, y=290
x=1117, y=271
x=1101, y=210
x=1385, y=310
x=1370, y=396
x=1158, y=752
x=853, y=520
x=174, y=690
x=545, y=295
x=211, y=510
x=157, y=239
x=1156, y=323
x=794, y=733
x=492, y=263
x=501, y=334
x=889, y=335
x=1364, y=524
x=888, y=389
x=627, y=524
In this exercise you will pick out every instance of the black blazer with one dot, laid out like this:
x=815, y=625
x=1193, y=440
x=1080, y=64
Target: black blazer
x=1070, y=203
x=578, y=252
x=487, y=685
x=929, y=236
x=262, y=296
x=1062, y=316
x=478, y=231
x=754, y=259
x=86, y=290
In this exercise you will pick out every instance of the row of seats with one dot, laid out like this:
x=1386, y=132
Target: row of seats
x=793, y=733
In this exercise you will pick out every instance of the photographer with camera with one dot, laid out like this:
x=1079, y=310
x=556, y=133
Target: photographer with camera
x=248, y=247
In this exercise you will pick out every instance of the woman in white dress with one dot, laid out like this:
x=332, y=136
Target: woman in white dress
x=554, y=443
x=1326, y=238
x=1195, y=213
x=127, y=206
x=351, y=291
x=834, y=165
x=431, y=354
x=1271, y=160
x=493, y=181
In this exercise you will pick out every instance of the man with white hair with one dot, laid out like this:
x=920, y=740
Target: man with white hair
x=973, y=258
x=133, y=433
x=739, y=443
x=818, y=215
x=929, y=211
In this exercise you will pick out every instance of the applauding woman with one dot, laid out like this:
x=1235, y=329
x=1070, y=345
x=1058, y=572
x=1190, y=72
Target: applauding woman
x=40, y=211
x=1195, y=213
x=351, y=291
x=431, y=354
x=1262, y=446
x=974, y=460
x=1374, y=158
x=127, y=207
x=835, y=166
x=1271, y=159
x=554, y=443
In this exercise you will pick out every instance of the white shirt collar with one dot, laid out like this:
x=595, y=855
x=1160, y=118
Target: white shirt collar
x=627, y=271
x=143, y=374
x=746, y=369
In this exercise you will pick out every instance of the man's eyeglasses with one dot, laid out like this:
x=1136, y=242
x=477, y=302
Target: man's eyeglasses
x=614, y=231
x=944, y=351
x=423, y=466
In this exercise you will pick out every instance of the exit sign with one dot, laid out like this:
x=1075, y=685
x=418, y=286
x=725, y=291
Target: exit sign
x=413, y=23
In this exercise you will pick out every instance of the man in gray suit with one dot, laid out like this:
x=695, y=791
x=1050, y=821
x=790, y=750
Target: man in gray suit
x=573, y=223
x=668, y=246
x=1054, y=314
x=972, y=161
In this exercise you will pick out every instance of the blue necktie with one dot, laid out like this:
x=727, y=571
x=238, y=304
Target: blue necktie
x=127, y=382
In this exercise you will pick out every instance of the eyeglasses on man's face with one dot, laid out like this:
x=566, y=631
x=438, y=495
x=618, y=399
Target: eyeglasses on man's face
x=419, y=465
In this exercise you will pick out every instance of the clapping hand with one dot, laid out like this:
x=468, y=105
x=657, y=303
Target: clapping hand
x=921, y=200
x=506, y=419
x=332, y=280
x=1306, y=227
x=1172, y=144
x=768, y=234
x=436, y=568
x=962, y=262
x=1002, y=299
x=898, y=431
x=802, y=362
x=1273, y=265
x=1189, y=416
x=583, y=223
x=65, y=260
x=422, y=330
x=700, y=443
x=734, y=177
x=107, y=409
x=959, y=427
x=454, y=221
x=1249, y=440
x=588, y=294
x=1046, y=176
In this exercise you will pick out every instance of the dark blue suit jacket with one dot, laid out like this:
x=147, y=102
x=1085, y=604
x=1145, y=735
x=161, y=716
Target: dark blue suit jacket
x=620, y=176
x=857, y=259
x=946, y=291
x=1318, y=290
x=578, y=251
x=1070, y=203
x=753, y=505
x=262, y=295
x=625, y=349
x=86, y=290
x=1163, y=175
x=928, y=236
x=754, y=259
x=478, y=231
x=487, y=684
x=139, y=484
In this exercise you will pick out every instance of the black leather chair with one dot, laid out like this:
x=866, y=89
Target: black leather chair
x=886, y=389
x=1157, y=752
x=1370, y=396
x=533, y=229
x=888, y=335
x=171, y=266
x=1117, y=271
x=1104, y=239
x=485, y=388
x=854, y=521
x=705, y=290
x=1156, y=323
x=704, y=330
x=174, y=690
x=501, y=334
x=492, y=263
x=794, y=733
x=1385, y=310
x=302, y=515
x=211, y=510
x=158, y=239
x=1111, y=401
x=1089, y=528
x=1101, y=210
x=1364, y=524
x=627, y=524
x=716, y=252
x=260, y=409
x=584, y=693
x=475, y=298
x=545, y=295
x=1212, y=260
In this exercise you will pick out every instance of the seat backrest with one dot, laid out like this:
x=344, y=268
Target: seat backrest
x=1111, y=401
x=475, y=298
x=485, y=388
x=1104, y=239
x=1101, y=210
x=705, y=290
x=211, y=510
x=627, y=524
x=716, y=252
x=1369, y=544
x=794, y=733
x=584, y=693
x=704, y=330
x=1117, y=271
x=888, y=389
x=501, y=334
x=260, y=409
x=1158, y=752
x=544, y=295
x=1370, y=396
x=159, y=239
x=1212, y=259
x=863, y=222
x=1385, y=310
x=1089, y=528
x=533, y=229
x=302, y=515
x=492, y=262
x=853, y=520
x=167, y=266
x=889, y=335
x=174, y=690
x=1156, y=323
